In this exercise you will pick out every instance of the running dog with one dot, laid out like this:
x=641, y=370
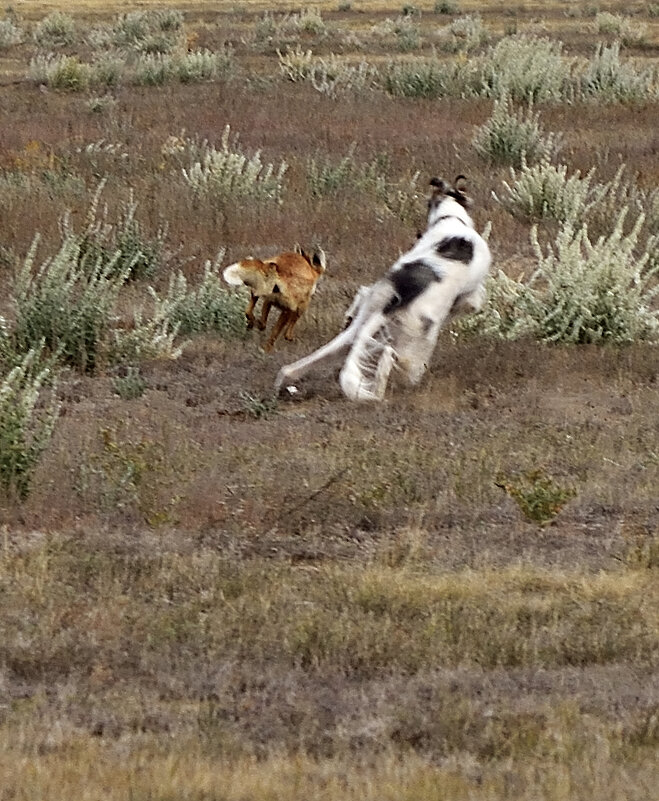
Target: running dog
x=396, y=321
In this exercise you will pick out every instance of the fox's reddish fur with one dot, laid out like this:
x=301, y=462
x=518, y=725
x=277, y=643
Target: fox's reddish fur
x=286, y=281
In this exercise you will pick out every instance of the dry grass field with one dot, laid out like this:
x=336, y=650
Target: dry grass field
x=210, y=594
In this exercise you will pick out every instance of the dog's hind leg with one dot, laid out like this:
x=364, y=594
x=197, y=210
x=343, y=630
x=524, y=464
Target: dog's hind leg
x=329, y=352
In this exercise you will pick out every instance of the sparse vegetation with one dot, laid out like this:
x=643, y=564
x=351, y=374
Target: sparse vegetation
x=208, y=592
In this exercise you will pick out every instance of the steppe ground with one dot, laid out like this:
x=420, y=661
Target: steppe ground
x=209, y=595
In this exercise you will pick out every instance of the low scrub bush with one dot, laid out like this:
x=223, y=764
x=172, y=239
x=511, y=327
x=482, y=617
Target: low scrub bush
x=543, y=191
x=395, y=196
x=208, y=307
x=10, y=34
x=629, y=31
x=60, y=72
x=430, y=78
x=129, y=386
x=203, y=65
x=55, y=30
x=124, y=244
x=153, y=69
x=512, y=136
x=26, y=421
x=539, y=497
x=606, y=78
x=580, y=292
x=527, y=69
x=463, y=35
x=66, y=303
x=226, y=172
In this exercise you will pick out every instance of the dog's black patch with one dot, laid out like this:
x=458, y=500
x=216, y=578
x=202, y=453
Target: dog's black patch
x=456, y=248
x=408, y=283
x=426, y=324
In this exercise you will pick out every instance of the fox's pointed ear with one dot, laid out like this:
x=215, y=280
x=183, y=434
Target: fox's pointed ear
x=298, y=249
x=319, y=258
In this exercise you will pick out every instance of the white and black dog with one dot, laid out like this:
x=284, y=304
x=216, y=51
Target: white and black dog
x=397, y=320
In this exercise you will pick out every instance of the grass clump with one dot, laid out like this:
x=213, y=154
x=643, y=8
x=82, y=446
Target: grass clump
x=66, y=303
x=26, y=425
x=430, y=78
x=129, y=386
x=630, y=32
x=226, y=172
x=514, y=136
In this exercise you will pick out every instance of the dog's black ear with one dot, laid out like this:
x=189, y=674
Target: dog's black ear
x=439, y=185
x=460, y=179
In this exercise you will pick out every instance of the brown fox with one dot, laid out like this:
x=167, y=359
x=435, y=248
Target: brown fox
x=286, y=281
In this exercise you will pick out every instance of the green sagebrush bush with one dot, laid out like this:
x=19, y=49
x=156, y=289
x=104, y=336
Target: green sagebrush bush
x=606, y=78
x=225, y=172
x=26, y=420
x=513, y=136
x=55, y=30
x=544, y=191
x=208, y=307
x=527, y=69
x=10, y=33
x=580, y=292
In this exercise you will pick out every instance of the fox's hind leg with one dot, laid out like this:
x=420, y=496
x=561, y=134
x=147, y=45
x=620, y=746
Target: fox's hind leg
x=293, y=317
x=281, y=323
x=265, y=311
x=249, y=311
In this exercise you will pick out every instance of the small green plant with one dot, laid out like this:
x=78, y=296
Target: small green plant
x=513, y=136
x=124, y=242
x=539, y=497
x=153, y=69
x=430, y=78
x=226, y=172
x=295, y=65
x=258, y=408
x=26, y=426
x=130, y=385
x=630, y=32
x=55, y=30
